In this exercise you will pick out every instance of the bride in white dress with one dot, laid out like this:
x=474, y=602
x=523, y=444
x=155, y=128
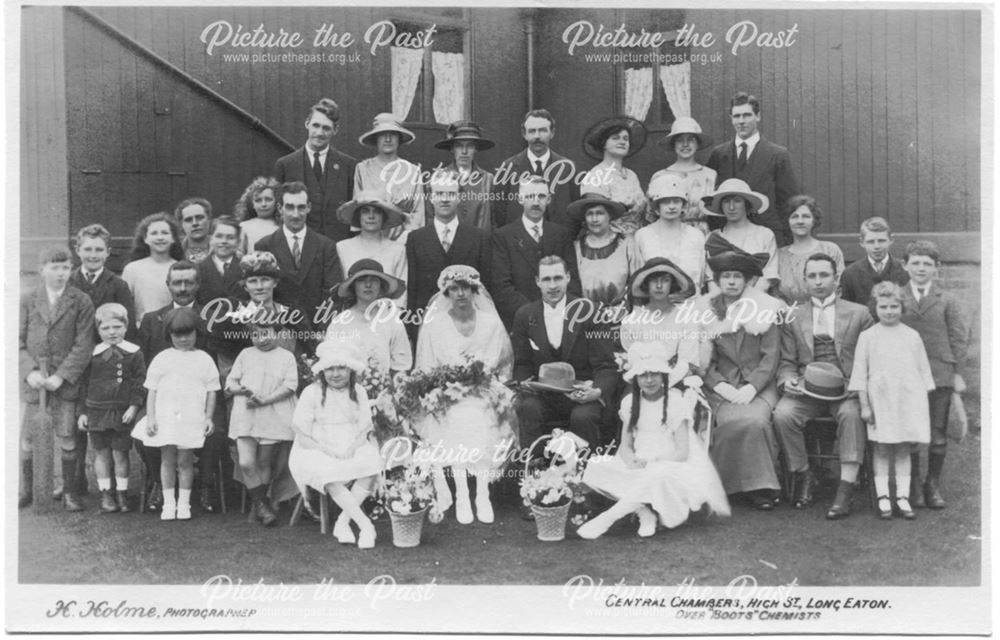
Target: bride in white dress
x=463, y=326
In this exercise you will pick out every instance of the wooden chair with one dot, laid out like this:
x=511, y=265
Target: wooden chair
x=821, y=440
x=324, y=510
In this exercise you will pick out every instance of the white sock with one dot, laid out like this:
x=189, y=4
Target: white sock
x=903, y=487
x=169, y=499
x=121, y=483
x=184, y=497
x=882, y=486
x=104, y=484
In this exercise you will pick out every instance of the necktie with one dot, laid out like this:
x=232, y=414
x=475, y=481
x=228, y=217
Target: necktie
x=536, y=233
x=742, y=163
x=538, y=167
x=91, y=277
x=446, y=239
x=225, y=268
x=920, y=294
x=296, y=251
x=317, y=167
x=822, y=328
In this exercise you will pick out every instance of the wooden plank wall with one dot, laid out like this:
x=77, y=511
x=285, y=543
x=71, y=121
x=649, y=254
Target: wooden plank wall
x=879, y=109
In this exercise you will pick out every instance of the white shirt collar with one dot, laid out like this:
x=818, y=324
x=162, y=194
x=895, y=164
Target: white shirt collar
x=878, y=267
x=451, y=226
x=827, y=301
x=558, y=309
x=528, y=225
x=532, y=158
x=554, y=318
x=751, y=143
x=926, y=288
x=289, y=235
x=54, y=295
x=124, y=345
x=219, y=264
x=97, y=274
x=322, y=155
x=184, y=306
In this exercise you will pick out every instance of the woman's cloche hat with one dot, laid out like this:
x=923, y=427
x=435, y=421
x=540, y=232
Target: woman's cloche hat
x=338, y=353
x=260, y=263
x=464, y=130
x=391, y=214
x=758, y=202
x=824, y=381
x=666, y=185
x=386, y=122
x=368, y=267
x=680, y=126
x=594, y=139
x=459, y=274
x=681, y=283
x=578, y=208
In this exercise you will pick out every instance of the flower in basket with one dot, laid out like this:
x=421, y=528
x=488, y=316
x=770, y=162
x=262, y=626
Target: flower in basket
x=551, y=485
x=407, y=489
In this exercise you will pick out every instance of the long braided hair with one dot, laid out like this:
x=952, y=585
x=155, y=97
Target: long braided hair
x=351, y=383
x=636, y=393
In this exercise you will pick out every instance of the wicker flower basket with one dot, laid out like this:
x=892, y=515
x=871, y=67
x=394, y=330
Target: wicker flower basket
x=406, y=529
x=551, y=522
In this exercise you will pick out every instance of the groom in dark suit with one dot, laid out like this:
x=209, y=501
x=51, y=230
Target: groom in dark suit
x=444, y=242
x=327, y=173
x=307, y=260
x=519, y=246
x=538, y=129
x=765, y=166
x=551, y=330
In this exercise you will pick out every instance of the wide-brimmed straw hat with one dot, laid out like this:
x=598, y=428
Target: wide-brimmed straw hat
x=464, y=130
x=680, y=126
x=260, y=263
x=382, y=123
x=758, y=202
x=646, y=357
x=824, y=381
x=681, y=284
x=459, y=274
x=368, y=267
x=338, y=353
x=391, y=214
x=577, y=209
x=667, y=185
x=555, y=376
x=723, y=255
x=594, y=139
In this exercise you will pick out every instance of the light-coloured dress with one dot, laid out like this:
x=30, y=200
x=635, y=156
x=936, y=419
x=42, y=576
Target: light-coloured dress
x=791, y=267
x=389, y=253
x=335, y=425
x=686, y=249
x=147, y=280
x=604, y=271
x=255, y=229
x=264, y=373
x=754, y=239
x=673, y=489
x=440, y=343
x=181, y=380
x=381, y=336
x=621, y=185
x=677, y=329
x=399, y=183
x=890, y=363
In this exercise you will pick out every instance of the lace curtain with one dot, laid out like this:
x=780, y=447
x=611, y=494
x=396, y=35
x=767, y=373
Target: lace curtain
x=449, y=86
x=638, y=92
x=406, y=66
x=676, y=81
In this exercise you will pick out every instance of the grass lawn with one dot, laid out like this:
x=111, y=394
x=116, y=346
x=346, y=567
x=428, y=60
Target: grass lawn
x=940, y=548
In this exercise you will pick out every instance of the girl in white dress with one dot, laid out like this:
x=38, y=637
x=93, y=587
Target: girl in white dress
x=156, y=246
x=333, y=449
x=661, y=471
x=182, y=382
x=257, y=211
x=892, y=376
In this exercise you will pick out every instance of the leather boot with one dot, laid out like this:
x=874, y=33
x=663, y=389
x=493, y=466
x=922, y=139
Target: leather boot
x=121, y=497
x=155, y=497
x=70, y=501
x=27, y=480
x=261, y=509
x=841, y=507
x=803, y=481
x=916, y=492
x=108, y=504
x=205, y=498
x=932, y=492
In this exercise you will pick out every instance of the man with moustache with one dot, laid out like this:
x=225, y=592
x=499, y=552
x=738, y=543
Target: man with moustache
x=538, y=129
x=765, y=166
x=327, y=173
x=307, y=260
x=817, y=357
x=518, y=246
x=444, y=242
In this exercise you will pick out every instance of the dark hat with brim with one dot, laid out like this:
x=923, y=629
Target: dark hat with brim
x=559, y=377
x=392, y=216
x=723, y=255
x=577, y=209
x=681, y=285
x=824, y=381
x=464, y=131
x=369, y=267
x=594, y=139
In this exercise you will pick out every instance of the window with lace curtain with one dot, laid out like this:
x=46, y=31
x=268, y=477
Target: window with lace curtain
x=654, y=83
x=431, y=85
